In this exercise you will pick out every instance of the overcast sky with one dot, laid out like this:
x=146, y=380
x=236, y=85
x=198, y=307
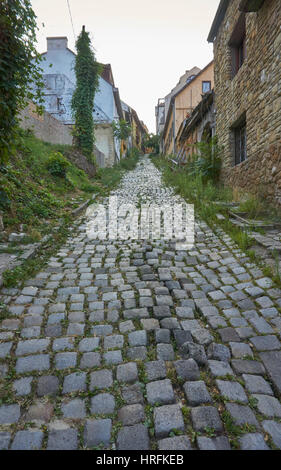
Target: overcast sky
x=149, y=43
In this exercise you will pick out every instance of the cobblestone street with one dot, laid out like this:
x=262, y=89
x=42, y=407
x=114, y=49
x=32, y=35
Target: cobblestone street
x=138, y=345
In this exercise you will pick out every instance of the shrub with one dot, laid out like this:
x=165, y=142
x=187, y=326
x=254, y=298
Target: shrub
x=57, y=164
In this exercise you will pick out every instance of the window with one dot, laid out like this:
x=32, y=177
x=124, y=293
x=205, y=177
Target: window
x=240, y=139
x=206, y=87
x=237, y=45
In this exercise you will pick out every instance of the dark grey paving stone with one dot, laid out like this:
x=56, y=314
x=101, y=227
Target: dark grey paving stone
x=27, y=440
x=102, y=330
x=61, y=344
x=137, y=353
x=216, y=443
x=196, y=393
x=162, y=336
x=133, y=438
x=47, y=385
x=115, y=341
x=187, y=369
x=138, y=338
x=136, y=313
x=175, y=443
x=218, y=352
x=64, y=439
x=261, y=325
x=127, y=372
x=229, y=334
x=170, y=323
x=165, y=352
x=74, y=382
x=131, y=414
x=9, y=414
x=240, y=350
x=182, y=336
x=22, y=386
x=53, y=331
x=103, y=403
x=202, y=336
x=268, y=406
x=97, y=432
x=274, y=429
x=155, y=370
x=245, y=332
x=90, y=359
x=206, y=416
x=253, y=441
x=5, y=349
x=65, y=360
x=257, y=384
x=241, y=414
x=32, y=363
x=160, y=392
x=5, y=438
x=194, y=351
x=167, y=418
x=244, y=366
x=74, y=409
x=132, y=394
x=101, y=379
x=272, y=363
x=113, y=357
x=266, y=343
x=232, y=391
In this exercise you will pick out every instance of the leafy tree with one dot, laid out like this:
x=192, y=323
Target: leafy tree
x=152, y=141
x=87, y=71
x=19, y=68
x=121, y=129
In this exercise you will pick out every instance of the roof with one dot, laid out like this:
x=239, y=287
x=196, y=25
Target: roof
x=221, y=11
x=107, y=74
x=118, y=103
x=201, y=109
x=180, y=91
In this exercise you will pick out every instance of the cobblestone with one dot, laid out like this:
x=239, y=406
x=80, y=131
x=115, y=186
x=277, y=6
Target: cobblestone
x=140, y=331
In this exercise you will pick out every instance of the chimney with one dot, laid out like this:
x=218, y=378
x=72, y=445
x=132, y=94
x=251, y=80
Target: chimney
x=56, y=43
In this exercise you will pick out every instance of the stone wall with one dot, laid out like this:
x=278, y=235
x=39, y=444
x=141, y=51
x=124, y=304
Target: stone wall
x=45, y=127
x=256, y=91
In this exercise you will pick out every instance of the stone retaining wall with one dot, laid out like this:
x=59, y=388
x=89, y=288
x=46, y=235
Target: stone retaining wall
x=45, y=127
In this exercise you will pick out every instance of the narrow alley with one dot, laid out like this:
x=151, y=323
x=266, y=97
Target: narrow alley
x=139, y=345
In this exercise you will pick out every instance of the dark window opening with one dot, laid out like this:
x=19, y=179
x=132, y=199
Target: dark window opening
x=206, y=87
x=237, y=45
x=240, y=138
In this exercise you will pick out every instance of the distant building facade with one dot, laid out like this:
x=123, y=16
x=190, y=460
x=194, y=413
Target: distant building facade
x=182, y=103
x=60, y=82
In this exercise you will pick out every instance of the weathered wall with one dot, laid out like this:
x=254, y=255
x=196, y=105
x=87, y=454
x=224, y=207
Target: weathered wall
x=105, y=143
x=45, y=127
x=189, y=98
x=255, y=90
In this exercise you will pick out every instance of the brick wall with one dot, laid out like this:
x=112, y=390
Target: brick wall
x=255, y=91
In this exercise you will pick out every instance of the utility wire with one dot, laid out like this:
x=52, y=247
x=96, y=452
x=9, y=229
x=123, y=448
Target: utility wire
x=71, y=19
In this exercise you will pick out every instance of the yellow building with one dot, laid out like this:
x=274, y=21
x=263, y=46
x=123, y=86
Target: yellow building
x=183, y=103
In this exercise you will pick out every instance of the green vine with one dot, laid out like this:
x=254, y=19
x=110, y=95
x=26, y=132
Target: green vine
x=121, y=129
x=87, y=71
x=20, y=73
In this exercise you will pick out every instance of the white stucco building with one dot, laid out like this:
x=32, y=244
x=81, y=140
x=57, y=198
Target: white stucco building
x=60, y=81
